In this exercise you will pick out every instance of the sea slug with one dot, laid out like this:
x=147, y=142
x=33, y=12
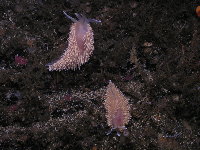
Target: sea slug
x=80, y=45
x=117, y=108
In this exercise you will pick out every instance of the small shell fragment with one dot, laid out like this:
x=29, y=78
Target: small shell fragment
x=198, y=11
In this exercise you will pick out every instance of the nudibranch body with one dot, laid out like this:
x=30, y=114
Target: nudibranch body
x=117, y=108
x=80, y=45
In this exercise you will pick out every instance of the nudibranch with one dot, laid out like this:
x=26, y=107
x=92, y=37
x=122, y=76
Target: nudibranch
x=117, y=109
x=80, y=45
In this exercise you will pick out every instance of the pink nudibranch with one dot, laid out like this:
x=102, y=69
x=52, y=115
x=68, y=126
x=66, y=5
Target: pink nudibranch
x=80, y=45
x=117, y=109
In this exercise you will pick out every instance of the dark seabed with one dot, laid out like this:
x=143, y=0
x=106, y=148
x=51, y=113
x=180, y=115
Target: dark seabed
x=149, y=49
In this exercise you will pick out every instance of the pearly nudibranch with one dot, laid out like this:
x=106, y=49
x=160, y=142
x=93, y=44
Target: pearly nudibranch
x=80, y=44
x=117, y=109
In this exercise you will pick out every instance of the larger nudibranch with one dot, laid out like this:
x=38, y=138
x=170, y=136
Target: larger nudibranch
x=80, y=45
x=117, y=108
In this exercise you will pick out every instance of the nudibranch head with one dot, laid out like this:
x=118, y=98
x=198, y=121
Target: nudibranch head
x=81, y=18
x=80, y=44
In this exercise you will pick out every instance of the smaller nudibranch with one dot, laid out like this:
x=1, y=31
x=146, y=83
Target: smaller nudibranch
x=117, y=109
x=80, y=44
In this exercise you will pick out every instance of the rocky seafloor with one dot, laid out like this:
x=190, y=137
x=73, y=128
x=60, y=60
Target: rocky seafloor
x=149, y=49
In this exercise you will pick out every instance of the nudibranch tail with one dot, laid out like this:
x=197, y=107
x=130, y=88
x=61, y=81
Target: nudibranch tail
x=80, y=44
